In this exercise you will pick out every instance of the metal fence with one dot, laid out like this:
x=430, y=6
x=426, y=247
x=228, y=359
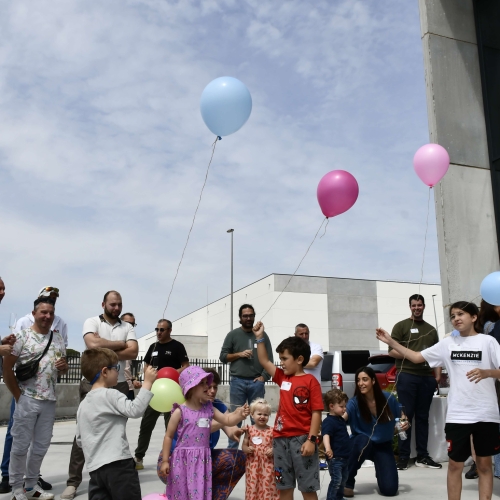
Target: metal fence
x=74, y=374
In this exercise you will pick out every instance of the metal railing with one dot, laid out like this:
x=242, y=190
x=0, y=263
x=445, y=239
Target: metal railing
x=74, y=374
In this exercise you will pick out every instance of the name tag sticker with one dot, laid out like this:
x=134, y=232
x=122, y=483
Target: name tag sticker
x=414, y=330
x=255, y=346
x=286, y=386
x=257, y=440
x=203, y=422
x=154, y=353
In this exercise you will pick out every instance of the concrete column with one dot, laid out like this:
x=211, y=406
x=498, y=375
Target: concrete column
x=467, y=238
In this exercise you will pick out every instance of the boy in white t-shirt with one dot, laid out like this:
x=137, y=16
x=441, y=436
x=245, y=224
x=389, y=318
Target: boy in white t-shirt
x=472, y=361
x=101, y=421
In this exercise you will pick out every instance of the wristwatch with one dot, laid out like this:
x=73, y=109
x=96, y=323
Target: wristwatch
x=313, y=439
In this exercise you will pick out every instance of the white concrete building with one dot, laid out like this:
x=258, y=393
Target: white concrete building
x=341, y=313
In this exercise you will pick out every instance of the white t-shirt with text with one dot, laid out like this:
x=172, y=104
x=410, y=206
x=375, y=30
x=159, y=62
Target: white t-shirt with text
x=468, y=402
x=316, y=349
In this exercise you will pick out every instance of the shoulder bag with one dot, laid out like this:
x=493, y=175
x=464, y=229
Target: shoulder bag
x=29, y=370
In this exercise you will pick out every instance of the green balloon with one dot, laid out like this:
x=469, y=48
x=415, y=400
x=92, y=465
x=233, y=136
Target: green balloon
x=166, y=393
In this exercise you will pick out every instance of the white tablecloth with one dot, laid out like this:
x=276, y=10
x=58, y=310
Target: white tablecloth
x=436, y=443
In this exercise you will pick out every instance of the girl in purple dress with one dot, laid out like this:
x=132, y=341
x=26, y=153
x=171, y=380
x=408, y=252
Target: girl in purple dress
x=189, y=469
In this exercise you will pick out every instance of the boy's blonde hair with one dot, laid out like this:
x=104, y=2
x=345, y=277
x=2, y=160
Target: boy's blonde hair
x=335, y=396
x=94, y=360
x=259, y=402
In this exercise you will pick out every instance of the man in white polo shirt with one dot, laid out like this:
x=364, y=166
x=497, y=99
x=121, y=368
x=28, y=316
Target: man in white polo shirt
x=106, y=330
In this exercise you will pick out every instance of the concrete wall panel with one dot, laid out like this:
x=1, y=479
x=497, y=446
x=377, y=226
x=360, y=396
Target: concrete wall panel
x=454, y=100
x=449, y=18
x=300, y=284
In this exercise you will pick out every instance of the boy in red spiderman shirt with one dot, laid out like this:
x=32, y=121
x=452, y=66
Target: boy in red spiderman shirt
x=298, y=420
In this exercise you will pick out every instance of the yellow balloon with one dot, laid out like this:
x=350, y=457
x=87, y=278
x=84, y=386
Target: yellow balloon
x=166, y=393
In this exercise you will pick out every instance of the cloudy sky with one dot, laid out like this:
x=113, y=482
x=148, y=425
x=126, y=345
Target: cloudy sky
x=103, y=150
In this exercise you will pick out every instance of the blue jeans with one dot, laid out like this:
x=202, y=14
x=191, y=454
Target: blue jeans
x=385, y=465
x=415, y=393
x=8, y=442
x=242, y=390
x=338, y=468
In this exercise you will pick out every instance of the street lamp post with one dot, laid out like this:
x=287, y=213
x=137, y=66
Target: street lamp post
x=435, y=316
x=232, y=232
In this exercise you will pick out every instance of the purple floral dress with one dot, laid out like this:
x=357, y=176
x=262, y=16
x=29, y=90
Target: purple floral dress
x=190, y=474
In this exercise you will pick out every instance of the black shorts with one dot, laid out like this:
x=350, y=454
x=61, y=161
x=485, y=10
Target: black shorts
x=485, y=435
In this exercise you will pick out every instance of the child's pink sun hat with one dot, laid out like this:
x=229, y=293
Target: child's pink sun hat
x=192, y=376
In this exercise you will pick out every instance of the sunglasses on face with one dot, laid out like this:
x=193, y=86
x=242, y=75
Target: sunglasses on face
x=116, y=367
x=161, y=330
x=94, y=380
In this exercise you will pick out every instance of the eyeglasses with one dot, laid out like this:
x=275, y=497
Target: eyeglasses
x=248, y=316
x=94, y=380
x=161, y=330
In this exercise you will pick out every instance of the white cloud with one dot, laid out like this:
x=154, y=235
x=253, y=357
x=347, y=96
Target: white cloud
x=103, y=150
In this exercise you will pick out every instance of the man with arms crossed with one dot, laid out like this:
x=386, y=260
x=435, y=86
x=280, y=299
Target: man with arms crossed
x=416, y=383
x=106, y=330
x=165, y=352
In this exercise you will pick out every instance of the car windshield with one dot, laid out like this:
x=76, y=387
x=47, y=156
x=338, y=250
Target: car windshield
x=381, y=365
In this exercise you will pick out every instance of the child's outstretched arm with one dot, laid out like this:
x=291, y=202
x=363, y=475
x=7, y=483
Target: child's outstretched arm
x=264, y=361
x=414, y=357
x=232, y=418
x=167, y=440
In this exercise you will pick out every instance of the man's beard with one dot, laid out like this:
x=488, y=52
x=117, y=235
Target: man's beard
x=111, y=315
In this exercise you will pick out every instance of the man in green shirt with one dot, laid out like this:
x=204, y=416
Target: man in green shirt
x=247, y=375
x=416, y=383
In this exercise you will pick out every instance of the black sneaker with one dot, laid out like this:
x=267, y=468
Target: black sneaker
x=427, y=462
x=5, y=487
x=402, y=464
x=472, y=472
x=43, y=484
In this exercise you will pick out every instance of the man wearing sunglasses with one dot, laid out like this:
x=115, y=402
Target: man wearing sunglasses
x=165, y=352
x=247, y=376
x=106, y=330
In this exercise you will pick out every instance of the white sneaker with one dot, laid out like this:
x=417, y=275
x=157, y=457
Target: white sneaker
x=69, y=493
x=18, y=495
x=38, y=492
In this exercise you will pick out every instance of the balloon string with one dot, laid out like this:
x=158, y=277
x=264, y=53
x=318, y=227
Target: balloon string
x=393, y=391
x=326, y=225
x=192, y=223
x=295, y=272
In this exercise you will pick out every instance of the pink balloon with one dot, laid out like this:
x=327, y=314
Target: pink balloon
x=431, y=163
x=337, y=192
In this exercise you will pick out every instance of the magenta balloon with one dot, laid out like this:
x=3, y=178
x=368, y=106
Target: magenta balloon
x=431, y=163
x=337, y=192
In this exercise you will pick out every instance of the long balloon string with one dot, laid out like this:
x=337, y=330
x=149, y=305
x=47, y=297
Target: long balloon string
x=393, y=391
x=297, y=268
x=192, y=224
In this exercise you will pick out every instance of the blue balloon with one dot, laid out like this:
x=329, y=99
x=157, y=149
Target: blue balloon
x=225, y=105
x=490, y=289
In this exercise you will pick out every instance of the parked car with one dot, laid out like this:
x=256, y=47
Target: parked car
x=339, y=368
x=384, y=367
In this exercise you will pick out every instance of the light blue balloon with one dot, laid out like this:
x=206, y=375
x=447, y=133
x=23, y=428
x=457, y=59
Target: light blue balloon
x=490, y=289
x=225, y=105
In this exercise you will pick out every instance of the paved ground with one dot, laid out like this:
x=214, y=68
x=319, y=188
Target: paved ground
x=415, y=482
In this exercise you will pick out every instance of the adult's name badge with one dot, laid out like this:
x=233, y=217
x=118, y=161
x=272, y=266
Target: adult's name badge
x=203, y=422
x=414, y=330
x=286, y=386
x=154, y=354
x=255, y=346
x=257, y=440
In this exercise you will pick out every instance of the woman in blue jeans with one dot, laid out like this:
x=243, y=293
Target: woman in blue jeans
x=371, y=414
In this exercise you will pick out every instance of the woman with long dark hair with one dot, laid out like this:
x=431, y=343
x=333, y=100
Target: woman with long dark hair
x=371, y=414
